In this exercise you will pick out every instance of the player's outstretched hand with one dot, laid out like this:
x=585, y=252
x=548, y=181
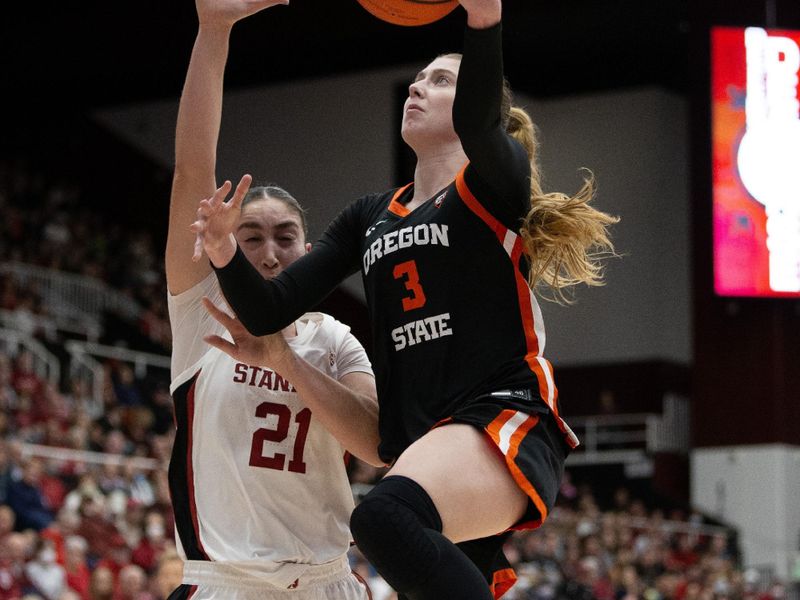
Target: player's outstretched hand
x=267, y=350
x=215, y=223
x=227, y=12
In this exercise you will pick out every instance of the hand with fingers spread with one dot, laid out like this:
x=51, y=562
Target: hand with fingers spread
x=215, y=223
x=269, y=350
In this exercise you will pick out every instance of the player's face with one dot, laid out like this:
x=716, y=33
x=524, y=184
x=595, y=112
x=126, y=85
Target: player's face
x=428, y=110
x=271, y=236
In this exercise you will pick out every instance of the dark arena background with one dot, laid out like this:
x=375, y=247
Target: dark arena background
x=687, y=401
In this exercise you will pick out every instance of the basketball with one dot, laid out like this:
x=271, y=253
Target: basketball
x=409, y=13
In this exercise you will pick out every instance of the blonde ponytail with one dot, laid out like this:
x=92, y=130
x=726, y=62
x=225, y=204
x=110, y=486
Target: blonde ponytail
x=565, y=238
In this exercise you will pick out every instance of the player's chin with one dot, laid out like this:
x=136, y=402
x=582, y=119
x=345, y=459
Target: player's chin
x=410, y=131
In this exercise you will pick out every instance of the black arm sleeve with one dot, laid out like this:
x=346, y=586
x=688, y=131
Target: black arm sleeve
x=498, y=163
x=265, y=306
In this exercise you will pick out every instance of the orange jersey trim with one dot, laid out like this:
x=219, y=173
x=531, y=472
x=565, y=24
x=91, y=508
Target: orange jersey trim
x=502, y=581
x=494, y=429
x=475, y=206
x=523, y=291
x=397, y=208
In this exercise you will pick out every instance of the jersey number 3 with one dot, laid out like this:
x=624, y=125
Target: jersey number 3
x=408, y=271
x=278, y=434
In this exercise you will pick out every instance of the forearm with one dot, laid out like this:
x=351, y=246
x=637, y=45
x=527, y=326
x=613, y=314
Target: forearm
x=266, y=306
x=200, y=110
x=479, y=92
x=350, y=414
x=500, y=161
x=196, y=136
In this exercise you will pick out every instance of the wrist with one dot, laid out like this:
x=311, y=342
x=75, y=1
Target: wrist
x=284, y=362
x=484, y=20
x=215, y=27
x=220, y=254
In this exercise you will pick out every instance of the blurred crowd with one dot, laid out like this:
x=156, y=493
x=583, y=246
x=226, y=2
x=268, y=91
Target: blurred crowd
x=624, y=551
x=71, y=528
x=45, y=223
x=75, y=528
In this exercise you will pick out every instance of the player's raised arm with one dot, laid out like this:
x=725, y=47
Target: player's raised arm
x=197, y=133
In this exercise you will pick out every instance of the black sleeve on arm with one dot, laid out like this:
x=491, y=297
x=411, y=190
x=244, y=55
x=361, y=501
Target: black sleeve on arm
x=498, y=161
x=265, y=306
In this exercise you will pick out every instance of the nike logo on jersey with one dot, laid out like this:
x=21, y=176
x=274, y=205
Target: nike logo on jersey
x=416, y=235
x=420, y=331
x=371, y=229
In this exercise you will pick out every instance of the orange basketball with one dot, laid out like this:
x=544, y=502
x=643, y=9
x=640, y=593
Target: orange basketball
x=409, y=12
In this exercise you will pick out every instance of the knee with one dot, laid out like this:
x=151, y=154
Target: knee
x=396, y=509
x=371, y=520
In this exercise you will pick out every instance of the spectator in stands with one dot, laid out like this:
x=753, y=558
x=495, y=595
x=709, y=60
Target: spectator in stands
x=96, y=528
x=65, y=524
x=169, y=574
x=7, y=522
x=86, y=489
x=44, y=573
x=116, y=442
x=132, y=584
x=110, y=478
x=130, y=523
x=6, y=478
x=13, y=554
x=101, y=584
x=153, y=544
x=125, y=386
x=79, y=398
x=24, y=379
x=26, y=499
x=683, y=554
x=118, y=555
x=75, y=565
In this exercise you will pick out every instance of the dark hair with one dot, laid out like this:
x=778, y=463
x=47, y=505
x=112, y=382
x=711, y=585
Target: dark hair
x=275, y=192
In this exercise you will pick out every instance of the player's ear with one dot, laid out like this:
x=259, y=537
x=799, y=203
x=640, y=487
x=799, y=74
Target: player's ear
x=308, y=247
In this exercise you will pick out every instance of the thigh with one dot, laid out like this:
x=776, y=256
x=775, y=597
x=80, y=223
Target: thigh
x=468, y=480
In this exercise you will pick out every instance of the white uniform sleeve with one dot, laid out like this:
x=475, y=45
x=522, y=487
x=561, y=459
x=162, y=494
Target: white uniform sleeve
x=351, y=357
x=190, y=322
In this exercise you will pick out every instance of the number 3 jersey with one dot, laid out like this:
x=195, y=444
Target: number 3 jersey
x=452, y=315
x=253, y=476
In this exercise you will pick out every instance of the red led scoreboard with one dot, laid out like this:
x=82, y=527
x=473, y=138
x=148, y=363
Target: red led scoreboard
x=755, y=128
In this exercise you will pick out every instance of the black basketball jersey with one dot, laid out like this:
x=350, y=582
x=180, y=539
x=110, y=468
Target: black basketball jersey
x=452, y=315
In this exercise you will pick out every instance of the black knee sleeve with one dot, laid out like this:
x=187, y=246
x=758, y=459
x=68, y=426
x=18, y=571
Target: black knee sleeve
x=398, y=529
x=389, y=527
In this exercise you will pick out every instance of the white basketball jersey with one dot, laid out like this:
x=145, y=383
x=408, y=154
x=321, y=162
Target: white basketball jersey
x=253, y=475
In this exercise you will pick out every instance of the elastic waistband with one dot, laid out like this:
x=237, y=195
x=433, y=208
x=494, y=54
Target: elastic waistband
x=255, y=574
x=529, y=396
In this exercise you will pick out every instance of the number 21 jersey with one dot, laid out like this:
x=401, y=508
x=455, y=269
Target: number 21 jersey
x=253, y=475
